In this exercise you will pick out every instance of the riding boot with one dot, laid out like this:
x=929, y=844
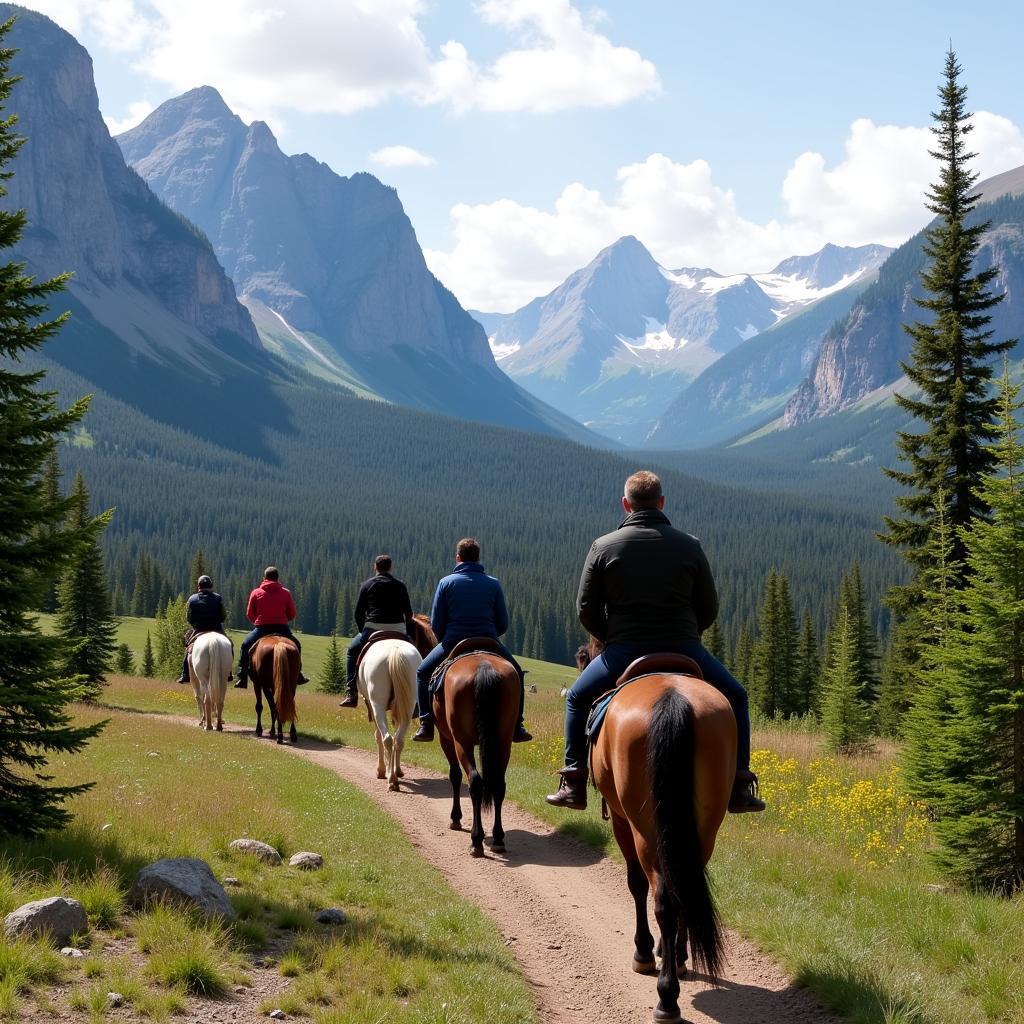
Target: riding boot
x=521, y=735
x=351, y=698
x=425, y=733
x=243, y=679
x=183, y=675
x=302, y=680
x=572, y=790
x=744, y=797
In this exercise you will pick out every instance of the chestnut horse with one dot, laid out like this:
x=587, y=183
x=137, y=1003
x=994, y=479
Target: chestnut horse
x=664, y=762
x=387, y=681
x=274, y=670
x=478, y=706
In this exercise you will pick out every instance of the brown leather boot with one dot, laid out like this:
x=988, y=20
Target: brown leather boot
x=744, y=799
x=351, y=699
x=425, y=733
x=572, y=790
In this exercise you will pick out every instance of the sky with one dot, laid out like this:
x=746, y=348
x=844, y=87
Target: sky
x=525, y=135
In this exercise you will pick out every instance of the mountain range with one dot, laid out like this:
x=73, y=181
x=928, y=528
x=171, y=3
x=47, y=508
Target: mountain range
x=618, y=341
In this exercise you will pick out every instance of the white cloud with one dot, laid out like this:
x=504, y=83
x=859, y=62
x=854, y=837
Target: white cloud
x=401, y=156
x=506, y=253
x=350, y=55
x=137, y=112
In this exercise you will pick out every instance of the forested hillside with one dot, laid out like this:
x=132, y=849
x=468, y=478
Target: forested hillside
x=339, y=479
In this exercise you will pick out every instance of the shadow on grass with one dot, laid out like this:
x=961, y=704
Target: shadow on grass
x=732, y=1003
x=593, y=834
x=859, y=995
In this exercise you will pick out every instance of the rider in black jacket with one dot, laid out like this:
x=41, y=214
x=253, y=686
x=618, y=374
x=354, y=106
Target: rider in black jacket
x=206, y=614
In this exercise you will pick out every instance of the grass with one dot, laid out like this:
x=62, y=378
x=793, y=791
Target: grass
x=192, y=800
x=833, y=880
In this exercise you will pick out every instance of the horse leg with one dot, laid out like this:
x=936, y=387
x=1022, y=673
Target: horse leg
x=259, y=706
x=389, y=757
x=667, y=914
x=476, y=796
x=399, y=747
x=293, y=734
x=681, y=949
x=497, y=829
x=381, y=766
x=455, y=778
x=636, y=879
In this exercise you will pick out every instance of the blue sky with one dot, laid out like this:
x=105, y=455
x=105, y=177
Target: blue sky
x=722, y=135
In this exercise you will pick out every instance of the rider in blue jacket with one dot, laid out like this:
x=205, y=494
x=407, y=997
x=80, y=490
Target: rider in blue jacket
x=467, y=603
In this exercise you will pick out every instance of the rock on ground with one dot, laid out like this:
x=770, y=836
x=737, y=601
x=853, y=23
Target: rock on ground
x=186, y=881
x=253, y=847
x=57, y=917
x=332, y=916
x=307, y=861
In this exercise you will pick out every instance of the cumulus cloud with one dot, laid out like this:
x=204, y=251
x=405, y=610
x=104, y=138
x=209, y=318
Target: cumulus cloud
x=401, y=156
x=351, y=55
x=137, y=112
x=506, y=253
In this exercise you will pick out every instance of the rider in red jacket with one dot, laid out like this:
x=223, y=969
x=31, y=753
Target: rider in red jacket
x=270, y=610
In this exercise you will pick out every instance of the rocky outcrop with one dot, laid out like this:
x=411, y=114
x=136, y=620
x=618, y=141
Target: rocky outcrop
x=56, y=918
x=184, y=881
x=90, y=214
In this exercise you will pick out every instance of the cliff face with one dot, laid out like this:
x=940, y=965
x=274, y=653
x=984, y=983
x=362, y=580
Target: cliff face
x=334, y=256
x=89, y=213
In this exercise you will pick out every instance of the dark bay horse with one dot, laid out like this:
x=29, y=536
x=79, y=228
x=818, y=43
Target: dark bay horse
x=479, y=706
x=664, y=762
x=274, y=670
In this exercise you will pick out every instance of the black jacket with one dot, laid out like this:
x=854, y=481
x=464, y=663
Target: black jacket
x=205, y=611
x=647, y=582
x=382, y=598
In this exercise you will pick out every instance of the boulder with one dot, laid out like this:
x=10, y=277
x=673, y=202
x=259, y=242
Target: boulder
x=57, y=917
x=307, y=861
x=185, y=881
x=332, y=916
x=254, y=848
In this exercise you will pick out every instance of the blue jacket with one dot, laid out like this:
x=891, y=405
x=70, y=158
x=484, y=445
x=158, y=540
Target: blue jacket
x=468, y=603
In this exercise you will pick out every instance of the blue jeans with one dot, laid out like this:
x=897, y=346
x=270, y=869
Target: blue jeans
x=429, y=666
x=603, y=672
x=358, y=643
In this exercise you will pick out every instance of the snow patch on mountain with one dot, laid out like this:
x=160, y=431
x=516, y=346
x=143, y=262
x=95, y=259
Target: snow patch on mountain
x=502, y=350
x=792, y=290
x=655, y=338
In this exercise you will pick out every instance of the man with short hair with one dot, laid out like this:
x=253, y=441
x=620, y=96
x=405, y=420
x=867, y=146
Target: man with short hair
x=205, y=613
x=382, y=603
x=270, y=610
x=646, y=588
x=467, y=603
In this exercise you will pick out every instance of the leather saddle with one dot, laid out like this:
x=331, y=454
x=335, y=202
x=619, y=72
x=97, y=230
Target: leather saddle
x=665, y=664
x=380, y=634
x=475, y=645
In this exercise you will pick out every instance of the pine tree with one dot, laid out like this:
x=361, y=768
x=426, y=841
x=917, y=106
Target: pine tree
x=865, y=640
x=774, y=661
x=950, y=363
x=52, y=495
x=900, y=670
x=171, y=627
x=978, y=789
x=148, y=664
x=332, y=676
x=808, y=669
x=124, y=662
x=36, y=541
x=142, y=592
x=196, y=569
x=743, y=658
x=84, y=619
x=715, y=641
x=845, y=719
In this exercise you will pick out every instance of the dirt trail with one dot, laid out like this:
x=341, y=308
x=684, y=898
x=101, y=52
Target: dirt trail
x=563, y=909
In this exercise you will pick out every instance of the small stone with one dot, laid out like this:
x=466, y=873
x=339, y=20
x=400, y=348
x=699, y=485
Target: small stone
x=232, y=881
x=115, y=998
x=153, y=753
x=277, y=1014
x=332, y=915
x=554, y=945
x=533, y=688
x=70, y=951
x=307, y=861
x=240, y=990
x=253, y=847
x=934, y=887
x=107, y=827
x=57, y=917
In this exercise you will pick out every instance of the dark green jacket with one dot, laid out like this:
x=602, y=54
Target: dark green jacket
x=647, y=582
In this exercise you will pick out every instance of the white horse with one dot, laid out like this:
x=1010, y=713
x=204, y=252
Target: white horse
x=387, y=681
x=209, y=666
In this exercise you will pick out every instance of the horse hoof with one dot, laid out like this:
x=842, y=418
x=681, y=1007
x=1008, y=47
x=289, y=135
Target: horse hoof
x=220, y=727
x=259, y=731
x=476, y=851
x=393, y=787
x=667, y=1016
x=382, y=775
x=645, y=966
x=681, y=971
x=400, y=773
x=497, y=847
x=455, y=826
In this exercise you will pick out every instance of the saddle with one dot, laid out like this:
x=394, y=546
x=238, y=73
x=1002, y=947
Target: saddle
x=380, y=634
x=463, y=649
x=648, y=665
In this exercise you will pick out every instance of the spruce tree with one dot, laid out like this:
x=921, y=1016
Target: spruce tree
x=808, y=669
x=845, y=718
x=84, y=619
x=774, y=661
x=148, y=663
x=124, y=662
x=142, y=591
x=743, y=659
x=196, y=569
x=332, y=676
x=864, y=634
x=37, y=543
x=715, y=641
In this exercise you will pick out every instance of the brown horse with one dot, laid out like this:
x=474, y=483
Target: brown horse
x=479, y=705
x=664, y=762
x=274, y=669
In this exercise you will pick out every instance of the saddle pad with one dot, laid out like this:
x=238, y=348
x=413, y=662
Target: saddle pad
x=600, y=707
x=437, y=679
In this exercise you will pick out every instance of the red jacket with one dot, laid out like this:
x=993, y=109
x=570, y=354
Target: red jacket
x=270, y=604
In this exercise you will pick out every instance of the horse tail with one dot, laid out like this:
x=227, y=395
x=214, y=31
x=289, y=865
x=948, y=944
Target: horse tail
x=487, y=691
x=403, y=682
x=284, y=689
x=220, y=663
x=670, y=766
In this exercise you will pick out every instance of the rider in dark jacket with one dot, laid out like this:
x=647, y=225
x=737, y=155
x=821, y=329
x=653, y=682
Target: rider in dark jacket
x=646, y=588
x=205, y=613
x=382, y=603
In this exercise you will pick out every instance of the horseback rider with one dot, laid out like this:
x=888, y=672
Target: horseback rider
x=467, y=603
x=205, y=613
x=383, y=604
x=646, y=588
x=270, y=610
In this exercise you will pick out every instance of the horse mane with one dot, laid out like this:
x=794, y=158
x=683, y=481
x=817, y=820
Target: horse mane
x=422, y=622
